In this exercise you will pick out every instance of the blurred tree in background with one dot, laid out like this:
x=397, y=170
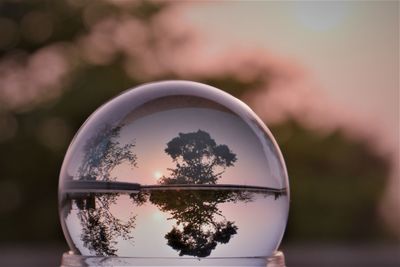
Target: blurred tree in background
x=60, y=60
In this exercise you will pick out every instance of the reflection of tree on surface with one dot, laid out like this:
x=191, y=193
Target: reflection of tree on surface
x=200, y=224
x=100, y=228
x=199, y=160
x=103, y=153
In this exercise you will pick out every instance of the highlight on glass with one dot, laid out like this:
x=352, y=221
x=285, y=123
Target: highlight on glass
x=173, y=173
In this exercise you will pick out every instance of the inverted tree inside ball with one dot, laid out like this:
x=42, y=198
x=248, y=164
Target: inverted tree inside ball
x=173, y=169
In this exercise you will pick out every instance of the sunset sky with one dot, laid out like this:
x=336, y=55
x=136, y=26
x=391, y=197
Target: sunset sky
x=322, y=75
x=345, y=55
x=338, y=61
x=150, y=126
x=348, y=49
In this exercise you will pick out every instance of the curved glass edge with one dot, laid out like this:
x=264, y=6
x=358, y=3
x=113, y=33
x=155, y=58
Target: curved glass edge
x=70, y=259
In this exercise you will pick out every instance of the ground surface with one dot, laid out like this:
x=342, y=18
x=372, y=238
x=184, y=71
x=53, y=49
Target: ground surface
x=316, y=255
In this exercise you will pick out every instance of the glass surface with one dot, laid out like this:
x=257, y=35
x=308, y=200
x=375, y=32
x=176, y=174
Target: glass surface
x=72, y=260
x=174, y=170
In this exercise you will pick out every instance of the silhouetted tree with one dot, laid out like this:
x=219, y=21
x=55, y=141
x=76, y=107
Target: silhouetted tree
x=139, y=198
x=196, y=241
x=334, y=159
x=199, y=160
x=200, y=224
x=100, y=228
x=103, y=153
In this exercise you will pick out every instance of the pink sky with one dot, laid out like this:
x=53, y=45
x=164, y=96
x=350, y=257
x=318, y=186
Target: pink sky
x=260, y=223
x=336, y=63
x=345, y=55
x=349, y=50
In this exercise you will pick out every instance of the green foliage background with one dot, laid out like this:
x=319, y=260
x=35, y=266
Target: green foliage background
x=336, y=183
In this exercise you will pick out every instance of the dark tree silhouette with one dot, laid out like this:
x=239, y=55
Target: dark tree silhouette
x=199, y=160
x=100, y=228
x=333, y=160
x=195, y=241
x=200, y=224
x=103, y=153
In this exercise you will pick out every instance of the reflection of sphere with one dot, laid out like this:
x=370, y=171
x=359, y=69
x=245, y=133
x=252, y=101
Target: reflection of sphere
x=173, y=169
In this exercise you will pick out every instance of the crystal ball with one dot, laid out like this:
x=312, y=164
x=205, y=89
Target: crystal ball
x=173, y=169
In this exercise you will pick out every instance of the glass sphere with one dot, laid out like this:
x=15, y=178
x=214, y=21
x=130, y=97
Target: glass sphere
x=173, y=169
